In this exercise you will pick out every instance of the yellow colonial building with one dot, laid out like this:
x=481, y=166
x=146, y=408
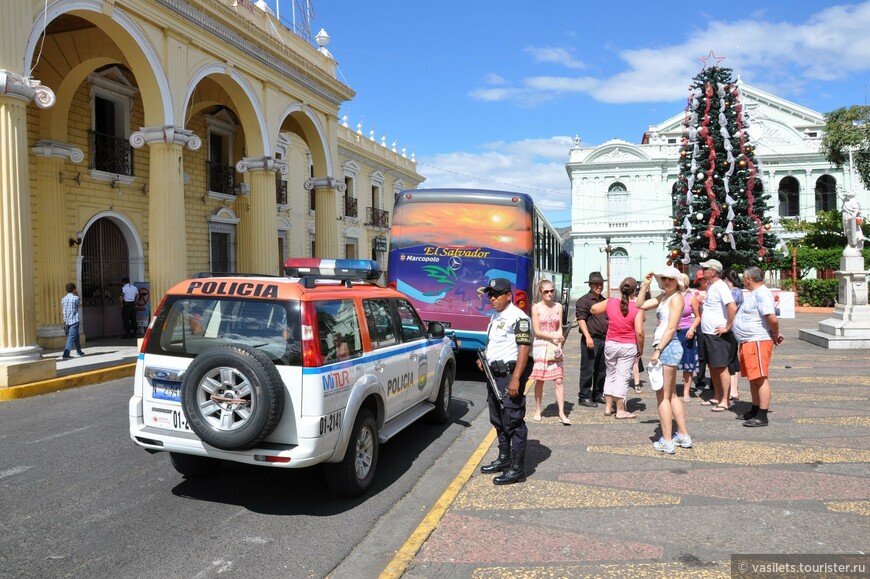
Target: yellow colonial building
x=158, y=138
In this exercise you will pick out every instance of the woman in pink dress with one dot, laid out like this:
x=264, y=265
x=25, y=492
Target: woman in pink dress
x=547, y=323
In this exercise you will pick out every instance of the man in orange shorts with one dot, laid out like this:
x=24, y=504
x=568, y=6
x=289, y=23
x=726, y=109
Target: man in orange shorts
x=756, y=327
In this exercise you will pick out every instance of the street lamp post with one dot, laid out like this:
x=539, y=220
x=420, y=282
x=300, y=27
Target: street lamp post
x=608, y=250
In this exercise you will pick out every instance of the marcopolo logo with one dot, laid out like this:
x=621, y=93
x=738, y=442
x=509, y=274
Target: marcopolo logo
x=425, y=258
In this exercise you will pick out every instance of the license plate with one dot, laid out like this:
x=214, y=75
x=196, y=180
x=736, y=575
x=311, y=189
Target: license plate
x=167, y=417
x=166, y=390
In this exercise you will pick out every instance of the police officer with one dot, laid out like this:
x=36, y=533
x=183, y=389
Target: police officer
x=508, y=350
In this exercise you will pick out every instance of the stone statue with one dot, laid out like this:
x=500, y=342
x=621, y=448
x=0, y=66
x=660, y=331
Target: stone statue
x=852, y=219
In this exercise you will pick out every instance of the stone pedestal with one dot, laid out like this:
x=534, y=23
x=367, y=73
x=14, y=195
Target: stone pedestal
x=849, y=327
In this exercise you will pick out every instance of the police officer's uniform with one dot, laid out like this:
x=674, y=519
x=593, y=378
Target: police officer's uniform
x=508, y=330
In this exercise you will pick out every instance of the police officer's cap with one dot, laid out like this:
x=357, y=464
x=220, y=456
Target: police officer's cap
x=498, y=286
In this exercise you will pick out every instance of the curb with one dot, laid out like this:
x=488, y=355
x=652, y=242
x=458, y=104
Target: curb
x=66, y=382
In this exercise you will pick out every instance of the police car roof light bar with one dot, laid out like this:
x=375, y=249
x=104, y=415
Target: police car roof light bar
x=338, y=269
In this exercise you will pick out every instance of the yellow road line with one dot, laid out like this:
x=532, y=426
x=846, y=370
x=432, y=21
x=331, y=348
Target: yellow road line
x=409, y=550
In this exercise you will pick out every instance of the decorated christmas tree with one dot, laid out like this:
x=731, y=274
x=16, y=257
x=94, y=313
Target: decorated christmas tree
x=720, y=208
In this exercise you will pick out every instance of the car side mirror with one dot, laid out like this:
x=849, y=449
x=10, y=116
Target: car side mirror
x=436, y=329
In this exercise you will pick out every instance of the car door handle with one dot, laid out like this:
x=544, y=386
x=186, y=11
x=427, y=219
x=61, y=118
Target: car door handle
x=379, y=366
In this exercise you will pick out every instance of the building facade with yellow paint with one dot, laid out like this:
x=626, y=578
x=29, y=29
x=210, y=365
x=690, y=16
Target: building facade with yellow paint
x=155, y=139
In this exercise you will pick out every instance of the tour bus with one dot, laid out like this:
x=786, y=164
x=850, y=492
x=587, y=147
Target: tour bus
x=446, y=244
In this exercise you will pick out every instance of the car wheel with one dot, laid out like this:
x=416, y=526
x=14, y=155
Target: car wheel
x=354, y=474
x=232, y=397
x=192, y=466
x=441, y=413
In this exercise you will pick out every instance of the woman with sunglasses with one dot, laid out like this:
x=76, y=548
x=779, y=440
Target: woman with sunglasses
x=547, y=322
x=667, y=351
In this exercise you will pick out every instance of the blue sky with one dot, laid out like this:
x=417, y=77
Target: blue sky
x=489, y=94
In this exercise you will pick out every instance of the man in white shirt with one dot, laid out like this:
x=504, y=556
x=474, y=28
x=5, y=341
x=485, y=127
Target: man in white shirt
x=719, y=343
x=756, y=327
x=129, y=293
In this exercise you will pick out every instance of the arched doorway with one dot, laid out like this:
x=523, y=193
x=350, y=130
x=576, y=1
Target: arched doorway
x=618, y=267
x=826, y=193
x=105, y=260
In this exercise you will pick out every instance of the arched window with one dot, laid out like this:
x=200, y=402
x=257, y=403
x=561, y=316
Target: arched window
x=617, y=205
x=789, y=197
x=826, y=193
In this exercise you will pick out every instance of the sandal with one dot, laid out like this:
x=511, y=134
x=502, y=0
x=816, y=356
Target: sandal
x=707, y=402
x=687, y=399
x=537, y=418
x=718, y=408
x=626, y=417
x=638, y=389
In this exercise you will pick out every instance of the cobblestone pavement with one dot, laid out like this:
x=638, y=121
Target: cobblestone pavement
x=599, y=501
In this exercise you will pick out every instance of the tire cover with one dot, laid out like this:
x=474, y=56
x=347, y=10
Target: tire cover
x=232, y=397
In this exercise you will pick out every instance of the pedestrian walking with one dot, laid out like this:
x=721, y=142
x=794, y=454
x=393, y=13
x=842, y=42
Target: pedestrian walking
x=667, y=351
x=717, y=317
x=756, y=327
x=622, y=347
x=700, y=294
x=508, y=350
x=594, y=330
x=129, y=293
x=547, y=348
x=70, y=305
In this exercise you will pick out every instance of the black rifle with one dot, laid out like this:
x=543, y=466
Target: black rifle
x=490, y=379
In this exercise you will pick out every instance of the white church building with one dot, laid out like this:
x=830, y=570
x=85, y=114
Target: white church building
x=623, y=192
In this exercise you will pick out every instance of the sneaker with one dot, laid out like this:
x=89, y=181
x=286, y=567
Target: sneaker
x=81, y=354
x=683, y=441
x=664, y=446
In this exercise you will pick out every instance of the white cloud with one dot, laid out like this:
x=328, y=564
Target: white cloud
x=554, y=55
x=533, y=166
x=828, y=46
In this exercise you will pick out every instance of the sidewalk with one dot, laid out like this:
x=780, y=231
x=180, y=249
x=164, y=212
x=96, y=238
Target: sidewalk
x=107, y=359
x=599, y=501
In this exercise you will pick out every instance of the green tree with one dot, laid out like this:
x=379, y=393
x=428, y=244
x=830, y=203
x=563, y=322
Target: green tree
x=720, y=208
x=847, y=130
x=822, y=245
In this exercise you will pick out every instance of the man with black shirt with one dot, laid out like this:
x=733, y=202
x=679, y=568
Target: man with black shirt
x=594, y=330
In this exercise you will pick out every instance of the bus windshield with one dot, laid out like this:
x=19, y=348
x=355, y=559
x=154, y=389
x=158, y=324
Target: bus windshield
x=445, y=246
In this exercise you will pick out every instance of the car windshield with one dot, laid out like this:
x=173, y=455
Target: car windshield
x=186, y=326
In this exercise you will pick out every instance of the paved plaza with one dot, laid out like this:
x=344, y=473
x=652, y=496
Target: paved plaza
x=599, y=501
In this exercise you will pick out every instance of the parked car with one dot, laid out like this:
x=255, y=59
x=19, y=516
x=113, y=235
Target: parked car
x=321, y=366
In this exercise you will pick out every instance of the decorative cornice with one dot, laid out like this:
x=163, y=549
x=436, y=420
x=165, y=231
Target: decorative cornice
x=165, y=134
x=262, y=164
x=48, y=148
x=325, y=183
x=26, y=89
x=202, y=22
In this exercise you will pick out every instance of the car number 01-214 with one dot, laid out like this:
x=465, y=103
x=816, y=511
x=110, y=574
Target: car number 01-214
x=330, y=422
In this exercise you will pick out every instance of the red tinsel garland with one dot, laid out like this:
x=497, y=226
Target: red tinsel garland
x=714, y=208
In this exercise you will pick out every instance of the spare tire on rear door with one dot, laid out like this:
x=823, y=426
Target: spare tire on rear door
x=232, y=397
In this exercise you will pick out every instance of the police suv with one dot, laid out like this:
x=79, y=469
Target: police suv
x=318, y=367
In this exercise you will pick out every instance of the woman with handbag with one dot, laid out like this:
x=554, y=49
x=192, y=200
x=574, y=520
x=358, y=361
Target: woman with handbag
x=622, y=346
x=547, y=348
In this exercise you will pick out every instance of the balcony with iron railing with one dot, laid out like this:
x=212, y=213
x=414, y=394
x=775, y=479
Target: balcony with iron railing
x=378, y=218
x=350, y=207
x=220, y=178
x=111, y=154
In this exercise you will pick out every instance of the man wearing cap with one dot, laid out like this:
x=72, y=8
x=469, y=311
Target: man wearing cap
x=717, y=318
x=508, y=351
x=594, y=330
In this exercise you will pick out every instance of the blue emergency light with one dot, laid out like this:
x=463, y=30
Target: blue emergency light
x=355, y=269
